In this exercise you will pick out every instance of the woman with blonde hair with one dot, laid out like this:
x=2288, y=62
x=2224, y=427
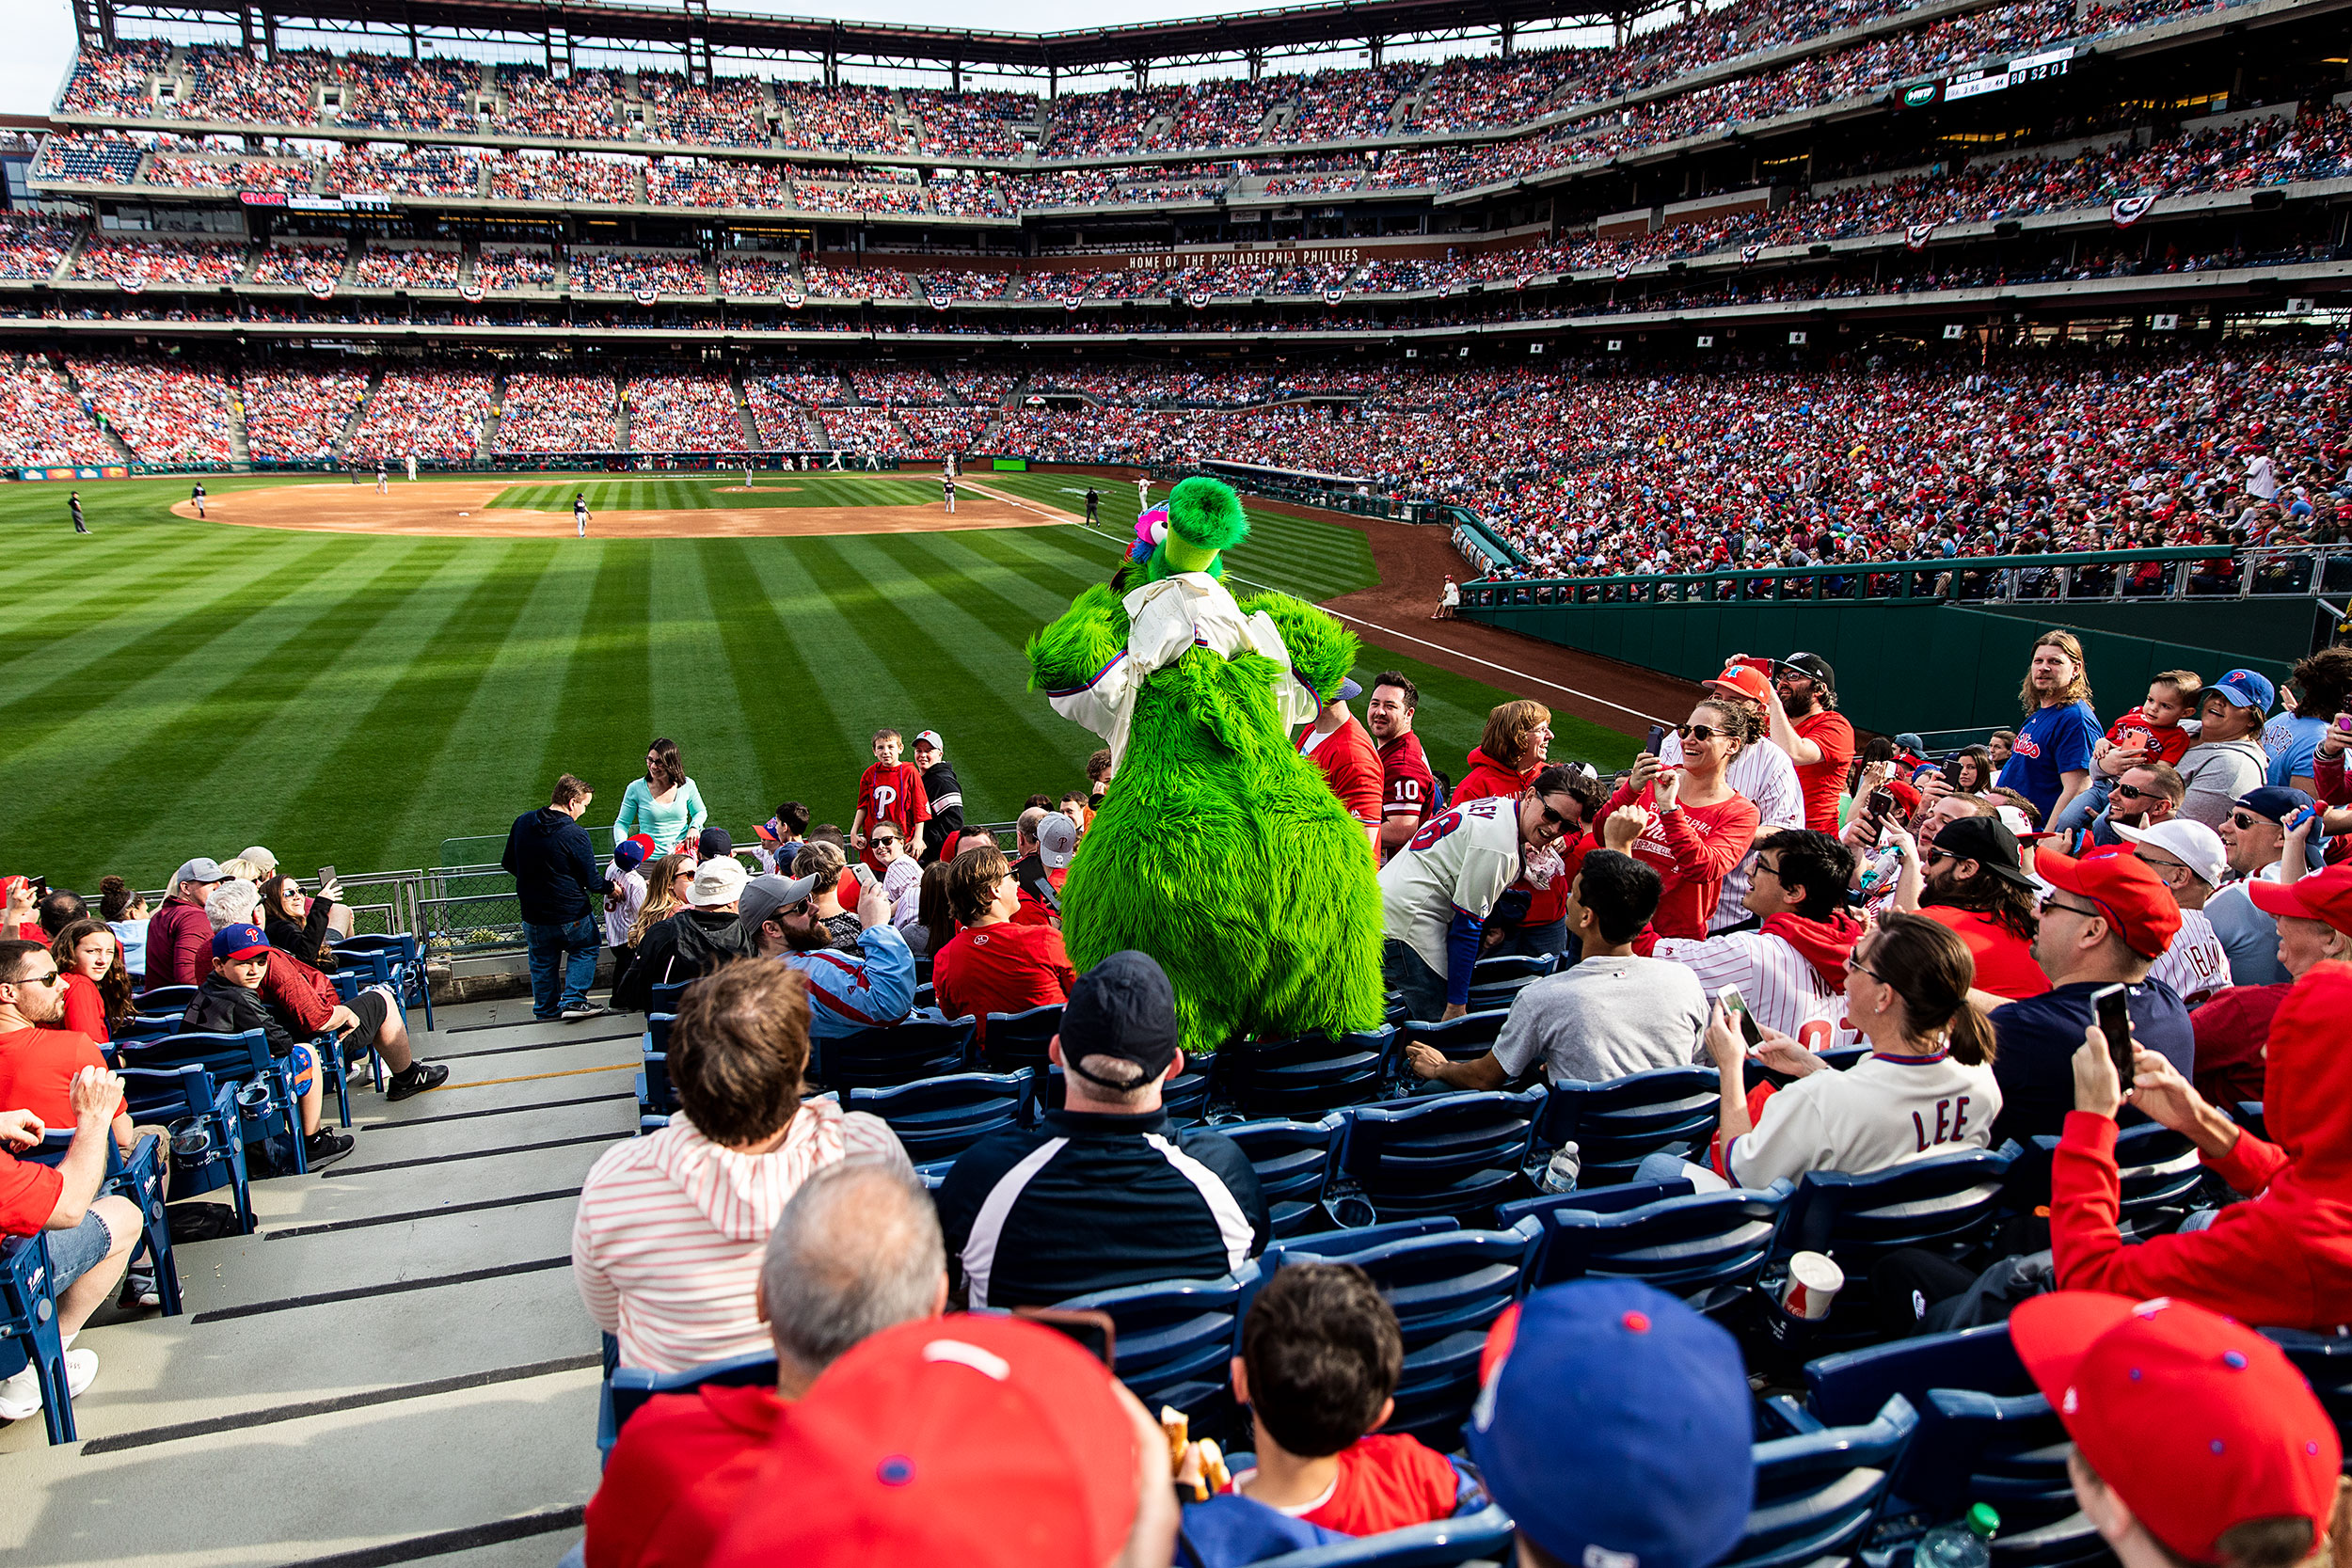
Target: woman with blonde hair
x=665, y=894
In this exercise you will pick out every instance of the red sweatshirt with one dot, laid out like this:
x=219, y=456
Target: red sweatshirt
x=1691, y=850
x=2282, y=1260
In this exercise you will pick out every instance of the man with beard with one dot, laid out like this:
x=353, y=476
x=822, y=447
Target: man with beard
x=2050, y=761
x=849, y=990
x=2142, y=798
x=1975, y=882
x=1818, y=738
x=1409, y=788
x=945, y=792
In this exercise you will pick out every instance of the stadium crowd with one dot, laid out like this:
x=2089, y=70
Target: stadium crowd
x=164, y=411
x=682, y=413
x=437, y=416
x=298, y=416
x=543, y=412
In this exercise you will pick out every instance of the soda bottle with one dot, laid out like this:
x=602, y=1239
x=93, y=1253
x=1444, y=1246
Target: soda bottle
x=1965, y=1542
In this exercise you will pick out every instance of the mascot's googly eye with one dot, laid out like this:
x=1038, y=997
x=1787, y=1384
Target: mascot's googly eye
x=1159, y=532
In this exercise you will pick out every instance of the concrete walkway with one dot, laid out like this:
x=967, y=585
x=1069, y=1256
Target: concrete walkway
x=396, y=1369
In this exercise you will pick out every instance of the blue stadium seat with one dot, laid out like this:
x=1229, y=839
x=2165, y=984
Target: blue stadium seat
x=1942, y=1203
x=1304, y=1076
x=2248, y=1115
x=348, y=986
x=658, y=1027
x=1458, y=1039
x=1447, y=1288
x=2326, y=1362
x=207, y=1132
x=266, y=1097
x=166, y=999
x=149, y=1026
x=631, y=1386
x=1520, y=967
x=898, y=1053
x=1296, y=1161
x=1456, y=1154
x=139, y=1178
x=1184, y=1096
x=665, y=999
x=2161, y=1175
x=1341, y=1246
x=1941, y=1471
x=657, y=1099
x=1175, y=1338
x=1485, y=1536
x=1011, y=1041
x=1705, y=1247
x=938, y=1118
x=1616, y=1124
x=1819, y=1493
x=406, y=970
x=28, y=1329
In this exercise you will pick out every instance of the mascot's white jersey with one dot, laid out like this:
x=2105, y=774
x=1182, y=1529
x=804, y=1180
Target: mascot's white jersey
x=1186, y=610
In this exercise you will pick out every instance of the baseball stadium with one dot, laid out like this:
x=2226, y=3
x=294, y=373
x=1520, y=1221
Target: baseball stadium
x=1373, y=784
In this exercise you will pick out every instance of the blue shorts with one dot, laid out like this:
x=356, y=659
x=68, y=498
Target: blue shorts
x=74, y=1253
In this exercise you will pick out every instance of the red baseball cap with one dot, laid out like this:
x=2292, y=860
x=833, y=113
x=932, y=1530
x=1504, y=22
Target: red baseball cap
x=1743, y=680
x=980, y=1441
x=2198, y=1422
x=2135, y=900
x=2324, y=896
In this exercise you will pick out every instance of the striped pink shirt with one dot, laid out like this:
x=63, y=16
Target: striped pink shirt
x=667, y=1246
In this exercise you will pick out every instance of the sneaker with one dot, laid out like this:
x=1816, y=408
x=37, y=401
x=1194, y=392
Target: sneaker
x=326, y=1146
x=573, y=1015
x=419, y=1077
x=19, y=1395
x=139, y=1290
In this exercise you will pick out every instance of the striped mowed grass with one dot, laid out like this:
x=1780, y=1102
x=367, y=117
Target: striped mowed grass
x=172, y=688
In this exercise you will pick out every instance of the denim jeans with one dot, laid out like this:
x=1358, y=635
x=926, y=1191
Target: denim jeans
x=562, y=959
x=1406, y=973
x=2079, y=811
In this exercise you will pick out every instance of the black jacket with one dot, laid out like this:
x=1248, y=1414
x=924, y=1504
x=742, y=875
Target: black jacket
x=941, y=788
x=686, y=946
x=303, y=940
x=554, y=866
x=1125, y=1200
x=225, y=1008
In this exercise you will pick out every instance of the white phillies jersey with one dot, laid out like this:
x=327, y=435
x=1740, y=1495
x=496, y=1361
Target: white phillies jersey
x=1460, y=860
x=2196, y=963
x=1882, y=1111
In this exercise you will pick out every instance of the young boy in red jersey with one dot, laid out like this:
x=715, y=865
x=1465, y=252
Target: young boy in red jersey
x=1321, y=1353
x=891, y=791
x=2150, y=732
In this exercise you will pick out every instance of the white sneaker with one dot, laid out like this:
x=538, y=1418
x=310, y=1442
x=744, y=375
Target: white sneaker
x=19, y=1395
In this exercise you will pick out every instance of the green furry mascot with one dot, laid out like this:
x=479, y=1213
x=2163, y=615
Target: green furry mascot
x=1219, y=850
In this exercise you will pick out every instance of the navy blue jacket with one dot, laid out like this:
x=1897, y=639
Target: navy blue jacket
x=554, y=866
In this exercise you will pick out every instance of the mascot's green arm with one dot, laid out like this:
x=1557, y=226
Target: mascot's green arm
x=1321, y=649
x=1072, y=651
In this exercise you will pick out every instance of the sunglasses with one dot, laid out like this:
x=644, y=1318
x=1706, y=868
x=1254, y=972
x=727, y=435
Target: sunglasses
x=1556, y=819
x=1933, y=855
x=2134, y=792
x=1697, y=732
x=2243, y=821
x=1855, y=966
x=53, y=977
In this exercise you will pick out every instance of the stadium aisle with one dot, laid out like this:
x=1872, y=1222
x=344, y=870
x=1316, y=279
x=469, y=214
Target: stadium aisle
x=395, y=1369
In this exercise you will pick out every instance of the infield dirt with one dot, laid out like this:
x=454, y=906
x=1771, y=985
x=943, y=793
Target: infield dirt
x=462, y=510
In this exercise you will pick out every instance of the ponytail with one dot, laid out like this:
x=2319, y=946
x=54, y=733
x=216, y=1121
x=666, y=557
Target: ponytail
x=1933, y=970
x=1972, y=1035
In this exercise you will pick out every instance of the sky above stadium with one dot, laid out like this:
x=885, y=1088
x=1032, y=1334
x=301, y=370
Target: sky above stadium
x=41, y=34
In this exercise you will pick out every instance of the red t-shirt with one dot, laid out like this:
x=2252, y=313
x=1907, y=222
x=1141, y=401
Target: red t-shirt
x=1408, y=788
x=673, y=1481
x=84, y=1009
x=37, y=1069
x=2134, y=732
x=895, y=794
x=2004, y=963
x=1386, y=1481
x=1004, y=968
x=1351, y=764
x=1033, y=910
x=28, y=1194
x=1691, y=850
x=1824, y=781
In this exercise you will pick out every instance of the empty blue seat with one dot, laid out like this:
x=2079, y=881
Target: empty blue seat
x=1937, y=1471
x=1485, y=1536
x=1458, y=1039
x=207, y=1131
x=1819, y=1493
x=1617, y=1123
x=28, y=1329
x=1011, y=1041
x=657, y=1099
x=1175, y=1338
x=938, y=1118
x=409, y=981
x=665, y=999
x=1458, y=1154
x=1447, y=1290
x=166, y=999
x=1513, y=966
x=1294, y=1162
x=1304, y=1076
x=901, y=1053
x=631, y=1386
x=2160, y=1172
x=1341, y=1246
x=1942, y=1203
x=1693, y=1244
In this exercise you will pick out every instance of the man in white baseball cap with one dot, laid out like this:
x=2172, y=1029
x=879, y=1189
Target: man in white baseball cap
x=2188, y=859
x=694, y=942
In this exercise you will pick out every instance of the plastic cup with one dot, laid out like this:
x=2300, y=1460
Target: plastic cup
x=1814, y=1282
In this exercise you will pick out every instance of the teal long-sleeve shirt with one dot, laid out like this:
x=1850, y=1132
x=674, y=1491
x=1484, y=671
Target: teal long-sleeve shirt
x=668, y=823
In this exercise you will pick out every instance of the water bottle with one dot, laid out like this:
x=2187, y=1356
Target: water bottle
x=1881, y=871
x=1561, y=1171
x=1966, y=1543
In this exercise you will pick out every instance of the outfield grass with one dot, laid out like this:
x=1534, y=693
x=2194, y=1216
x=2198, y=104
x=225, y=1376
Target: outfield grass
x=696, y=492
x=170, y=687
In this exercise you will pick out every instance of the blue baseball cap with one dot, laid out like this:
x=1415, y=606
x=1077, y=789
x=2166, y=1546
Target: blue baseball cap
x=2247, y=688
x=2276, y=802
x=239, y=941
x=1615, y=1424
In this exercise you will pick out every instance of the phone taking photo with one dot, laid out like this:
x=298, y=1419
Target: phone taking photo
x=2113, y=1006
x=1881, y=801
x=1656, y=738
x=1736, y=1008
